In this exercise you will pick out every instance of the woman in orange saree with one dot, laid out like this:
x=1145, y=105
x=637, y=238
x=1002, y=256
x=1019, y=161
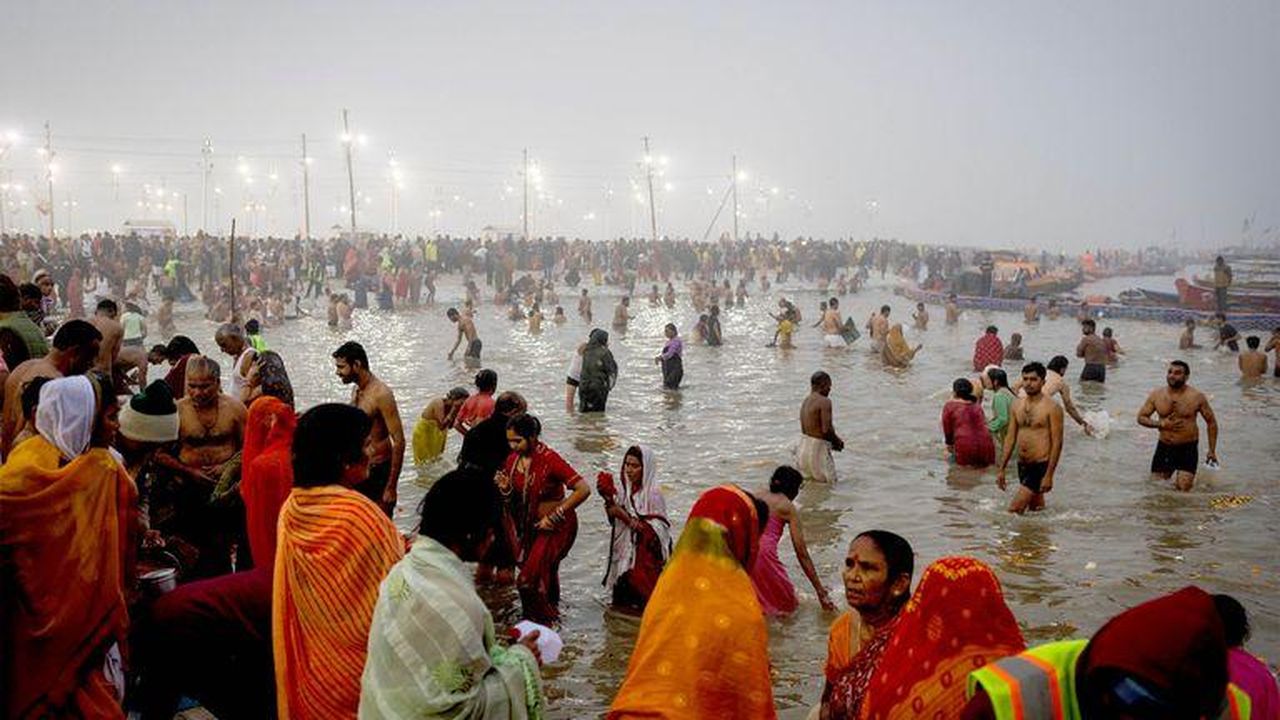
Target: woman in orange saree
x=267, y=475
x=955, y=623
x=703, y=646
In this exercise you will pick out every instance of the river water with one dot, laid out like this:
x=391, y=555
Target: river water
x=1109, y=539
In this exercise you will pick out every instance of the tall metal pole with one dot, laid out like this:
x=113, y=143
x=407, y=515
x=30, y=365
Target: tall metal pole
x=232, y=249
x=351, y=178
x=526, y=194
x=653, y=211
x=48, y=172
x=735, y=198
x=306, y=190
x=206, y=167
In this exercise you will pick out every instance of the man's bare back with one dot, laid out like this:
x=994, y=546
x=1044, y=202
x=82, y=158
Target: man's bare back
x=11, y=421
x=1253, y=364
x=112, y=337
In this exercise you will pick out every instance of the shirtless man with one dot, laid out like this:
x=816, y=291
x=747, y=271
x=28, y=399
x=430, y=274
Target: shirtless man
x=1176, y=406
x=1031, y=311
x=164, y=316
x=953, y=310
x=833, y=326
x=1253, y=362
x=386, y=439
x=1094, y=351
x=104, y=318
x=1054, y=311
x=210, y=427
x=75, y=348
x=584, y=306
x=879, y=326
x=1056, y=384
x=620, y=315
x=232, y=341
x=817, y=434
x=921, y=317
x=467, y=329
x=1187, y=341
x=1036, y=430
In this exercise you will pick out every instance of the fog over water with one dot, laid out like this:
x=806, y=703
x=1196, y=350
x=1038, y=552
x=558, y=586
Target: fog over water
x=996, y=123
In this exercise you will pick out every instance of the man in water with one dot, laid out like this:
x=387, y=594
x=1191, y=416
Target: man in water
x=1031, y=311
x=1227, y=334
x=104, y=318
x=467, y=329
x=1176, y=406
x=953, y=310
x=921, y=317
x=1221, y=282
x=386, y=439
x=879, y=326
x=817, y=434
x=620, y=314
x=1188, y=339
x=1094, y=351
x=232, y=342
x=584, y=306
x=1036, y=431
x=833, y=326
x=1273, y=344
x=1056, y=384
x=1253, y=362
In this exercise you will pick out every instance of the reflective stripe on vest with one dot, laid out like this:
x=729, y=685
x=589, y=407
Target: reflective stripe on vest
x=1035, y=685
x=1239, y=704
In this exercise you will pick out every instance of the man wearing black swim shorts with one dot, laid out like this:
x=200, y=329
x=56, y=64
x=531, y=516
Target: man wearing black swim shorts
x=1036, y=431
x=1094, y=351
x=1176, y=406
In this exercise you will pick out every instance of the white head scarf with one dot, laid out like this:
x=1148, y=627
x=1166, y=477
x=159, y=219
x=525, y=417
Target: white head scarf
x=646, y=504
x=66, y=412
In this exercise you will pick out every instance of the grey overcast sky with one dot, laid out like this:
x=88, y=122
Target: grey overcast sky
x=997, y=123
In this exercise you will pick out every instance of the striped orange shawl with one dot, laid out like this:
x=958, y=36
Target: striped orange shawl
x=334, y=547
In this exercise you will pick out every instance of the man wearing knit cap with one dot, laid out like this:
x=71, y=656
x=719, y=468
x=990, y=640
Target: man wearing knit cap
x=148, y=421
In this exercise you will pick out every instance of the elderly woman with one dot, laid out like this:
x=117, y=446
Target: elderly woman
x=533, y=483
x=641, y=533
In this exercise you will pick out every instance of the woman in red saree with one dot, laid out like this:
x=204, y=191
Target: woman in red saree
x=532, y=482
x=955, y=623
x=267, y=474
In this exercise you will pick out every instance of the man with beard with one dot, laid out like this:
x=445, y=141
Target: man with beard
x=386, y=439
x=1176, y=406
x=1036, y=431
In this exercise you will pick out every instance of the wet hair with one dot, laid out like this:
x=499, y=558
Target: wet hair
x=9, y=299
x=180, y=345
x=963, y=389
x=108, y=305
x=1036, y=368
x=30, y=291
x=884, y=308
x=1235, y=620
x=204, y=364
x=329, y=437
x=992, y=330
x=786, y=480
x=353, y=352
x=899, y=558
x=486, y=380
x=1058, y=363
x=457, y=393
x=672, y=327
x=75, y=334
x=253, y=327
x=1220, y=316
x=1253, y=341
x=999, y=378
x=459, y=510
x=1106, y=332
x=1190, y=322
x=762, y=511
x=1015, y=337
x=159, y=349
x=31, y=396
x=508, y=403
x=525, y=425
x=1088, y=323
x=1186, y=369
x=819, y=378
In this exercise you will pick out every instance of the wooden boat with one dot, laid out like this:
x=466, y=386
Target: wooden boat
x=1204, y=298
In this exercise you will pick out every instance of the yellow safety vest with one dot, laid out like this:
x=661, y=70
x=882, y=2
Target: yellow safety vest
x=1040, y=684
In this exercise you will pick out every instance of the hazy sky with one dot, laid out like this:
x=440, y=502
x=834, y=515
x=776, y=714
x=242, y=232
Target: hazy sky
x=1054, y=124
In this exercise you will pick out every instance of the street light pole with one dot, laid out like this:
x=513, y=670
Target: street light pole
x=653, y=212
x=206, y=168
x=351, y=178
x=525, y=216
x=48, y=172
x=735, y=198
x=306, y=190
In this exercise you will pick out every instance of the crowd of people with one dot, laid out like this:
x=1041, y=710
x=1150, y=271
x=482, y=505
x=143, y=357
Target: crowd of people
x=299, y=598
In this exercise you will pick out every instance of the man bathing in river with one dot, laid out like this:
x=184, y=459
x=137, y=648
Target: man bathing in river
x=1252, y=362
x=467, y=329
x=1094, y=351
x=817, y=434
x=833, y=326
x=1036, y=431
x=1176, y=406
x=386, y=439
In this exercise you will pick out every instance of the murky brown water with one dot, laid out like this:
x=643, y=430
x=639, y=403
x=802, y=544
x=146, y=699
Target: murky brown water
x=1110, y=538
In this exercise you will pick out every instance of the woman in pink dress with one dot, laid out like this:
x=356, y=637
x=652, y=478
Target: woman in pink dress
x=773, y=586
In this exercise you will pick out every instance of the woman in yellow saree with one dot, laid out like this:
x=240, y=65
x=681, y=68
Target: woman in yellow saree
x=896, y=351
x=703, y=646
